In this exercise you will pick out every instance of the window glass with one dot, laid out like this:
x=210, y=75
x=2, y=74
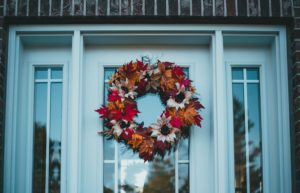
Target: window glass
x=47, y=131
x=41, y=73
x=247, y=132
x=237, y=74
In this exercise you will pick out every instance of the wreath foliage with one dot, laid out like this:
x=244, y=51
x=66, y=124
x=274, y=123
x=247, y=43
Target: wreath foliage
x=136, y=79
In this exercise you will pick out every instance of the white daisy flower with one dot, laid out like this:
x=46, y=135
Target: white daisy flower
x=163, y=130
x=182, y=97
x=119, y=126
x=124, y=91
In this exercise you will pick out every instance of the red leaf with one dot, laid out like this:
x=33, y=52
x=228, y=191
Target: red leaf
x=103, y=111
x=130, y=113
x=176, y=122
x=113, y=95
x=116, y=114
x=185, y=82
x=178, y=71
x=198, y=120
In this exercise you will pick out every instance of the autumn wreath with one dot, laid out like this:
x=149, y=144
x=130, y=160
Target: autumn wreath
x=136, y=79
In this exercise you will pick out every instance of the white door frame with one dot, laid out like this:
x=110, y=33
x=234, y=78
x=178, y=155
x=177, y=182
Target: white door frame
x=223, y=167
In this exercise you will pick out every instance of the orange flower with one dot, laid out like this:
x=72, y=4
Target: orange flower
x=136, y=141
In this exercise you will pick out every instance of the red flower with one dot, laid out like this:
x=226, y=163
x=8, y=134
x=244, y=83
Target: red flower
x=176, y=122
x=178, y=71
x=113, y=95
x=103, y=111
x=127, y=134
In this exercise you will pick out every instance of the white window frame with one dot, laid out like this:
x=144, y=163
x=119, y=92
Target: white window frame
x=221, y=127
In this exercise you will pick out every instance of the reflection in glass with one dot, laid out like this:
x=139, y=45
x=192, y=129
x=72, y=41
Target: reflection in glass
x=55, y=137
x=56, y=73
x=254, y=137
x=138, y=176
x=40, y=121
x=47, y=120
x=247, y=133
x=237, y=74
x=41, y=73
x=108, y=178
x=252, y=74
x=183, y=149
x=183, y=172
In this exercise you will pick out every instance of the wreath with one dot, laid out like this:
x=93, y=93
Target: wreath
x=135, y=79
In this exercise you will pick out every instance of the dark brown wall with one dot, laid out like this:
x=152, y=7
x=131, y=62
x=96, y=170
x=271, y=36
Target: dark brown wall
x=224, y=10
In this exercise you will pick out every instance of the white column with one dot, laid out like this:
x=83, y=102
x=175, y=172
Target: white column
x=74, y=122
x=220, y=117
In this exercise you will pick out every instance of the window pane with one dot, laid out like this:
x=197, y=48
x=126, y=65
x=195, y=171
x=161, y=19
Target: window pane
x=252, y=74
x=108, y=73
x=55, y=137
x=183, y=182
x=237, y=74
x=254, y=128
x=239, y=138
x=183, y=150
x=108, y=178
x=56, y=73
x=109, y=149
x=41, y=73
x=135, y=175
x=40, y=122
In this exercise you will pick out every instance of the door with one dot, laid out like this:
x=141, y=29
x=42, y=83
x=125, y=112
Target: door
x=110, y=167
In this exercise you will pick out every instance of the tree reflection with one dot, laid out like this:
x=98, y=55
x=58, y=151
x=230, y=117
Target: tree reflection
x=39, y=158
x=240, y=153
x=39, y=161
x=161, y=176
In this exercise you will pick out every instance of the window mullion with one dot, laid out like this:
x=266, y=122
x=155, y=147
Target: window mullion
x=176, y=171
x=246, y=131
x=116, y=167
x=48, y=131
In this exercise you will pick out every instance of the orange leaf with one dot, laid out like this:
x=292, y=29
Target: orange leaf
x=136, y=141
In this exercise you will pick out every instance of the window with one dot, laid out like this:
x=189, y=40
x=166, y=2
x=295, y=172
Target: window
x=247, y=129
x=124, y=171
x=47, y=129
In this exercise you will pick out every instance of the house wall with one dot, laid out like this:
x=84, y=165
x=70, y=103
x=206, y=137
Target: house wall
x=220, y=10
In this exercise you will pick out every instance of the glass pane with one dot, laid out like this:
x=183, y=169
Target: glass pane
x=56, y=73
x=109, y=149
x=41, y=73
x=109, y=72
x=254, y=128
x=55, y=137
x=239, y=138
x=108, y=178
x=183, y=150
x=106, y=89
x=252, y=74
x=184, y=181
x=237, y=74
x=135, y=175
x=40, y=122
x=150, y=108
